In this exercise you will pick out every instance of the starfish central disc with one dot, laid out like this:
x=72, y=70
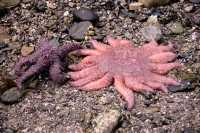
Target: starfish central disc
x=124, y=60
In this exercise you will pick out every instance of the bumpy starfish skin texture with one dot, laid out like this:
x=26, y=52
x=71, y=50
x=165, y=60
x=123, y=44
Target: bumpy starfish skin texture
x=49, y=56
x=131, y=69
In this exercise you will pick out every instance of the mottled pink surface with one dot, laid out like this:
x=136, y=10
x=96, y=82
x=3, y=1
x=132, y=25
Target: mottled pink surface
x=132, y=69
x=48, y=57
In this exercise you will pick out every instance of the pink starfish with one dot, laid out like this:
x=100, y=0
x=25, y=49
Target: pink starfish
x=132, y=69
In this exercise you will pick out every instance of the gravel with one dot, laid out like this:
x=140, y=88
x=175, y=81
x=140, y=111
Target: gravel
x=51, y=108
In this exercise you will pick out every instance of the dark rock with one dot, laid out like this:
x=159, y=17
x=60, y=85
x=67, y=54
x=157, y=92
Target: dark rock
x=40, y=6
x=109, y=5
x=79, y=30
x=3, y=45
x=195, y=1
x=188, y=130
x=185, y=86
x=3, y=12
x=85, y=14
x=7, y=130
x=11, y=96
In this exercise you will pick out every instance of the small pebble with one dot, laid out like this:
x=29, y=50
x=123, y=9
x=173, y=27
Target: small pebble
x=176, y=28
x=189, y=8
x=26, y=50
x=135, y=6
x=151, y=110
x=85, y=14
x=79, y=30
x=41, y=6
x=106, y=122
x=4, y=36
x=51, y=5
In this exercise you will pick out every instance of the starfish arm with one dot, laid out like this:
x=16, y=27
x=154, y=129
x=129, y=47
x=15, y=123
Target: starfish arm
x=164, y=80
x=56, y=72
x=86, y=52
x=67, y=48
x=25, y=61
x=157, y=85
x=113, y=42
x=163, y=57
x=87, y=79
x=99, y=46
x=86, y=62
x=83, y=73
x=136, y=85
x=151, y=45
x=167, y=48
x=105, y=81
x=33, y=70
x=126, y=42
x=124, y=91
x=164, y=68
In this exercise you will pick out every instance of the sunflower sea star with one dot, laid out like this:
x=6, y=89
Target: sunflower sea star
x=49, y=56
x=132, y=69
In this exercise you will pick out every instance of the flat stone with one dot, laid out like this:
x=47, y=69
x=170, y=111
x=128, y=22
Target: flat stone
x=9, y=3
x=106, y=122
x=152, y=32
x=79, y=30
x=11, y=96
x=85, y=14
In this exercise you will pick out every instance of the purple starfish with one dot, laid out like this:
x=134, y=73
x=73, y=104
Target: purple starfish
x=49, y=56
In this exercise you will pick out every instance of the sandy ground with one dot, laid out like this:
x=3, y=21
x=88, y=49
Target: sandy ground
x=54, y=109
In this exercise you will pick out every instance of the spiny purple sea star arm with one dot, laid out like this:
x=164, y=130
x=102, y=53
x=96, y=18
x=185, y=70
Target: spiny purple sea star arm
x=105, y=81
x=26, y=62
x=67, y=48
x=56, y=72
x=33, y=70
